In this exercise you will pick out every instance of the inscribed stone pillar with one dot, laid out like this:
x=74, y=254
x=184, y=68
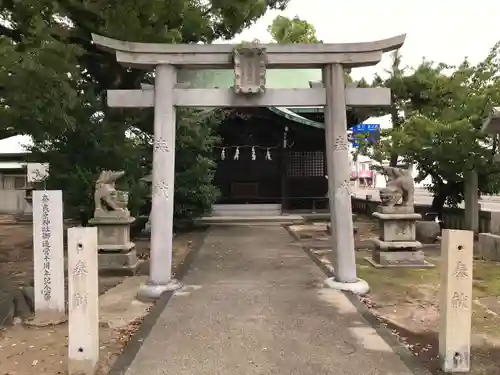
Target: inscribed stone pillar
x=455, y=300
x=337, y=159
x=83, y=292
x=162, y=211
x=48, y=257
x=471, y=195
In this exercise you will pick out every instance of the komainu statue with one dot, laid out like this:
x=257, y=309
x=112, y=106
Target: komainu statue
x=399, y=187
x=106, y=198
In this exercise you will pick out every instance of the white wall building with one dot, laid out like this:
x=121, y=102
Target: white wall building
x=15, y=173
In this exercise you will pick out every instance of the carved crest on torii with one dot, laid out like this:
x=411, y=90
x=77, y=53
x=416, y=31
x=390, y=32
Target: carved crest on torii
x=249, y=69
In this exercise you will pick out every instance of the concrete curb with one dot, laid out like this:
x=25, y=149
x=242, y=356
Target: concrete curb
x=404, y=354
x=124, y=360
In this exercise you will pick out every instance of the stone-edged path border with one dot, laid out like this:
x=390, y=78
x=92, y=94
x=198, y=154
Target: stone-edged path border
x=123, y=361
x=404, y=353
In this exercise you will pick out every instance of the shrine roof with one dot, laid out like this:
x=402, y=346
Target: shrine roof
x=292, y=116
x=15, y=145
x=275, y=79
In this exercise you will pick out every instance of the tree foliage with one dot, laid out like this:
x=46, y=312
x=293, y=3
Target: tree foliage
x=295, y=30
x=395, y=81
x=53, y=82
x=195, y=165
x=445, y=107
x=290, y=31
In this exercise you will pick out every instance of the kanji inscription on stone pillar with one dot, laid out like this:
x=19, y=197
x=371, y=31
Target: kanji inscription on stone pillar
x=456, y=300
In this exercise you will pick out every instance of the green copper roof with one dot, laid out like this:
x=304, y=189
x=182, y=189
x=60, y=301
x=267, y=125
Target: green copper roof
x=285, y=112
x=275, y=79
x=307, y=109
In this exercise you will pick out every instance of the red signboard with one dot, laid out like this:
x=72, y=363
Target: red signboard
x=365, y=174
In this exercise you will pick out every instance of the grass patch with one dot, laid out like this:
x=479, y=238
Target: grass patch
x=486, y=276
x=485, y=322
x=398, y=286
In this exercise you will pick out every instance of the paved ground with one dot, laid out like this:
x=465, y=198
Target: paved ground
x=254, y=304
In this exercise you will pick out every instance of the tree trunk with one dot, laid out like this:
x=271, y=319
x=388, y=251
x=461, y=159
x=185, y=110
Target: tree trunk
x=438, y=202
x=443, y=192
x=394, y=160
x=395, y=124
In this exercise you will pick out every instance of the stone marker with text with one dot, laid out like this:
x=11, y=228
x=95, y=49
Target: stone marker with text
x=83, y=294
x=48, y=257
x=456, y=300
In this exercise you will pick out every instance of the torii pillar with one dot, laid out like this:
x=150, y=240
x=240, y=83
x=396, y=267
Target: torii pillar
x=472, y=207
x=249, y=63
x=337, y=163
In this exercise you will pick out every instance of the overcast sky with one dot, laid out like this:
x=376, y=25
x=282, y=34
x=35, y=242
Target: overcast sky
x=438, y=30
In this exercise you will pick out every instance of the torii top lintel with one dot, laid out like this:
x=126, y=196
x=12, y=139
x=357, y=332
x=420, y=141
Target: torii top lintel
x=220, y=56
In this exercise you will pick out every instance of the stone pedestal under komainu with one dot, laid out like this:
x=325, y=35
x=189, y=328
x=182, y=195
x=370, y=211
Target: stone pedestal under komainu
x=117, y=254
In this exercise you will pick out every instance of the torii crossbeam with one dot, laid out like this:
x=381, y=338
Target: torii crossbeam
x=249, y=62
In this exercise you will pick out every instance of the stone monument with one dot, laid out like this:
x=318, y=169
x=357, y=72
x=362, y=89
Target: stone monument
x=83, y=301
x=117, y=254
x=48, y=257
x=397, y=246
x=455, y=300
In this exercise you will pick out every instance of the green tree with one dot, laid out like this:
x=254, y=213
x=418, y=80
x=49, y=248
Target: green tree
x=445, y=109
x=295, y=30
x=396, y=82
x=53, y=82
x=288, y=31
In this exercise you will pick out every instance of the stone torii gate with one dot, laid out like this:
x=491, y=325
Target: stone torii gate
x=249, y=62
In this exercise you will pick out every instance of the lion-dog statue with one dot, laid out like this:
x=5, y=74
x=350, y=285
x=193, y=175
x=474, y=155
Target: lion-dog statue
x=106, y=198
x=400, y=187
